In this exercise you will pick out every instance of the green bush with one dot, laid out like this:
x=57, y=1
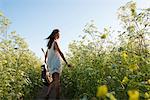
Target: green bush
x=122, y=65
x=19, y=67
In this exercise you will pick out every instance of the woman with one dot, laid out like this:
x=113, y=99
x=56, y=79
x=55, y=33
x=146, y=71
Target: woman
x=52, y=57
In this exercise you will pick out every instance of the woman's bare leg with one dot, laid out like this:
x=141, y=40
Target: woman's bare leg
x=56, y=84
x=49, y=88
x=56, y=78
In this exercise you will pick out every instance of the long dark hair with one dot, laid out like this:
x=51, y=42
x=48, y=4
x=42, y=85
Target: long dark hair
x=51, y=38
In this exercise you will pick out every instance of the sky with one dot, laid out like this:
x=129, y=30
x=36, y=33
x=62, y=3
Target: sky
x=34, y=20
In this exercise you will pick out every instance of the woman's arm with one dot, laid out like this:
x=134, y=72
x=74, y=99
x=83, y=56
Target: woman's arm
x=56, y=47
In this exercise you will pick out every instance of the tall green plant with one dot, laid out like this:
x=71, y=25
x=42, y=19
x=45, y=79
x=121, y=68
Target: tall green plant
x=122, y=66
x=19, y=67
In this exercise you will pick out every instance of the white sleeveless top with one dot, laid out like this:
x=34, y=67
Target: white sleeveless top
x=54, y=60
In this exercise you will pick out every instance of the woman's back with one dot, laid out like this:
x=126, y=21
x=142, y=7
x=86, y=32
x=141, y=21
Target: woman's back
x=53, y=61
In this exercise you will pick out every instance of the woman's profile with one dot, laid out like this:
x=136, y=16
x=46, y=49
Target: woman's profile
x=53, y=59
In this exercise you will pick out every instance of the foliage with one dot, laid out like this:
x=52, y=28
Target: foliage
x=19, y=67
x=122, y=65
x=102, y=68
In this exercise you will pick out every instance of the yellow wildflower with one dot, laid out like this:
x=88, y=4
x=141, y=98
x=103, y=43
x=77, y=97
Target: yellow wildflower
x=102, y=91
x=124, y=54
x=146, y=95
x=133, y=95
x=125, y=80
x=148, y=81
x=4, y=61
x=103, y=36
x=133, y=67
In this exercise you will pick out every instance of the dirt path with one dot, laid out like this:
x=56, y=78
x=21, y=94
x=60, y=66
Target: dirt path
x=41, y=94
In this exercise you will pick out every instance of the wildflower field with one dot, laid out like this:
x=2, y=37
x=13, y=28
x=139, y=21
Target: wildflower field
x=20, y=72
x=108, y=69
x=104, y=67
